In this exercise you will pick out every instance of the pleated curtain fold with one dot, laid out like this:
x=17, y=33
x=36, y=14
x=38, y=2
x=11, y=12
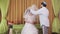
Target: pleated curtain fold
x=56, y=23
x=4, y=7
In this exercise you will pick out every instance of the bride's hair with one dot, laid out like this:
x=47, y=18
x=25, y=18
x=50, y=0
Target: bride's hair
x=33, y=7
x=27, y=11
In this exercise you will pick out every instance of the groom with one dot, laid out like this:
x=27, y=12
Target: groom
x=43, y=17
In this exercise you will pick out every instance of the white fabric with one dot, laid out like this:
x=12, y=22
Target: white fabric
x=43, y=15
x=29, y=28
x=10, y=31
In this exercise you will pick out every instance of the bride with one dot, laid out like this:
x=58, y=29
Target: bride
x=29, y=27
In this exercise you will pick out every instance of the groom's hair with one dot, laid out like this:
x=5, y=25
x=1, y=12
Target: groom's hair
x=44, y=4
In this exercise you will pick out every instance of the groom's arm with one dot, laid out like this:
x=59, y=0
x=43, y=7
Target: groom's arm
x=35, y=12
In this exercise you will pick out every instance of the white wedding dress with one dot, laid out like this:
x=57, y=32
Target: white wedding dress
x=29, y=27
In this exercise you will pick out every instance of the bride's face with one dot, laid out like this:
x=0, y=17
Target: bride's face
x=30, y=13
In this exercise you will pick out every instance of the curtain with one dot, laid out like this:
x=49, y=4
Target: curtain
x=17, y=8
x=55, y=24
x=3, y=6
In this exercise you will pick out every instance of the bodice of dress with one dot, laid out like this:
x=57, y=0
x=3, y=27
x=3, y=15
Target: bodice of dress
x=29, y=18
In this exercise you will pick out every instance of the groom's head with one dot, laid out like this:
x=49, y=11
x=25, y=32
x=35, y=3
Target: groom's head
x=43, y=4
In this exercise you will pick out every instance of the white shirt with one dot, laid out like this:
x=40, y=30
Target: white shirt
x=43, y=16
